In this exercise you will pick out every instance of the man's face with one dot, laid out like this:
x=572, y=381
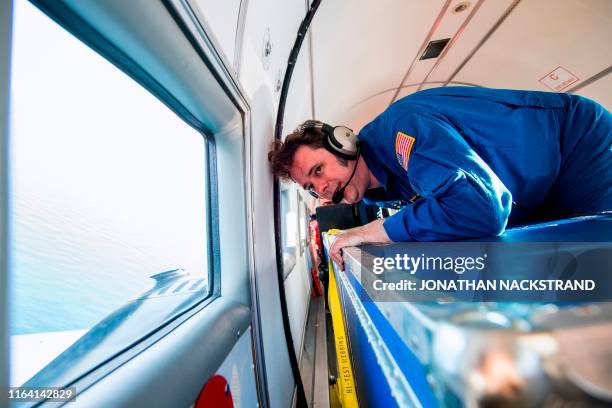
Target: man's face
x=320, y=171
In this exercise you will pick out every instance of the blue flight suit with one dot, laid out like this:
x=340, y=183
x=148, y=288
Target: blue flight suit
x=480, y=158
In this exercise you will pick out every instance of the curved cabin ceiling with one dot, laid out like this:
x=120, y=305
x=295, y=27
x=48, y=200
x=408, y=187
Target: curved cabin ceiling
x=367, y=54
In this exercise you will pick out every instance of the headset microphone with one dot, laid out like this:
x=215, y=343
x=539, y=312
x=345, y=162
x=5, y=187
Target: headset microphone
x=339, y=195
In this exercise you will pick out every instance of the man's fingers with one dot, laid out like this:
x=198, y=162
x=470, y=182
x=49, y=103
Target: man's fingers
x=339, y=260
x=339, y=263
x=336, y=254
x=335, y=251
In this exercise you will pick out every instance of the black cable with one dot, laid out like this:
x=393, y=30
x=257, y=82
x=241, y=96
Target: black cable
x=295, y=369
x=291, y=65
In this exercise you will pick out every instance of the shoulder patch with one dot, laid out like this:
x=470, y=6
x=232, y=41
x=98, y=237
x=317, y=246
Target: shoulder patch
x=403, y=147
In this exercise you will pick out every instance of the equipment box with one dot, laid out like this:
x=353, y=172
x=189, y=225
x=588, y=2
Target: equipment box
x=447, y=351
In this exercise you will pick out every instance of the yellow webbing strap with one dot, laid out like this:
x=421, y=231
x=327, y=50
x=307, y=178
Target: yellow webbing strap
x=345, y=381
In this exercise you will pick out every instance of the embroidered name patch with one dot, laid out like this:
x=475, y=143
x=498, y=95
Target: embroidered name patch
x=403, y=146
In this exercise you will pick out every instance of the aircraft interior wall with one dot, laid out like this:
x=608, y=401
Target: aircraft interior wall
x=264, y=48
x=261, y=77
x=512, y=44
x=6, y=9
x=219, y=67
x=165, y=63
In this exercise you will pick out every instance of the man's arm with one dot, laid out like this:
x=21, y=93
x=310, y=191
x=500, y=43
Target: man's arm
x=372, y=233
x=462, y=196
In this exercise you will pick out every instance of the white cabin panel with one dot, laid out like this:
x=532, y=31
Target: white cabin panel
x=574, y=34
x=364, y=47
x=362, y=113
x=467, y=40
x=449, y=24
x=297, y=288
x=269, y=33
x=299, y=98
x=600, y=90
x=222, y=18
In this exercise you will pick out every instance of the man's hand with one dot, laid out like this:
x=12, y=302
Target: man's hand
x=372, y=233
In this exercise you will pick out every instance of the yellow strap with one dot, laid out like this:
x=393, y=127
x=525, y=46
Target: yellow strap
x=346, y=383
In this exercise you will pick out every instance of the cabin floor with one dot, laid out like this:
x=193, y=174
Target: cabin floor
x=314, y=367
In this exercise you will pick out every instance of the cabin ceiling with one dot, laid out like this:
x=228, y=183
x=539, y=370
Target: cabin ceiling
x=366, y=53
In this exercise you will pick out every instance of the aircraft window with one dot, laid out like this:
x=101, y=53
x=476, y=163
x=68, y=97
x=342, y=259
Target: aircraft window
x=306, y=226
x=289, y=228
x=302, y=224
x=108, y=207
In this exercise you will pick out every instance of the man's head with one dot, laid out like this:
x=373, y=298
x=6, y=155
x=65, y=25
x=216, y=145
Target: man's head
x=282, y=152
x=303, y=158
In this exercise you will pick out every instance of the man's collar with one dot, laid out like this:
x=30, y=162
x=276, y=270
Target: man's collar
x=373, y=165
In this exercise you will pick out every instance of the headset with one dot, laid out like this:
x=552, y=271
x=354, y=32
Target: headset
x=342, y=142
x=339, y=140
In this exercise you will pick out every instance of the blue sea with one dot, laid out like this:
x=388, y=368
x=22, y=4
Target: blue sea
x=107, y=185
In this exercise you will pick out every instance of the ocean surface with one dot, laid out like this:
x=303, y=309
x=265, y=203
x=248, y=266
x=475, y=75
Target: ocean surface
x=107, y=185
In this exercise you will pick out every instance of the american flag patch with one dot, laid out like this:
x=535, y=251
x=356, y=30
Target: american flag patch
x=403, y=146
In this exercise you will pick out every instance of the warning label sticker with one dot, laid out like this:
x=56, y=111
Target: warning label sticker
x=559, y=79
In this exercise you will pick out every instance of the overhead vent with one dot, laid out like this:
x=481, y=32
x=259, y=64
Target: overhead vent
x=434, y=48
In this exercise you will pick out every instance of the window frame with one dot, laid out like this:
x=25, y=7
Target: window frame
x=6, y=23
x=82, y=31
x=302, y=223
x=207, y=95
x=287, y=194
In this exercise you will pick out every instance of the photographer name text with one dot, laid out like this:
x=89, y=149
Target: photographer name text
x=444, y=285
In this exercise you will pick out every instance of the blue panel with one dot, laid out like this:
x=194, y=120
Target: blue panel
x=405, y=358
x=375, y=387
x=596, y=228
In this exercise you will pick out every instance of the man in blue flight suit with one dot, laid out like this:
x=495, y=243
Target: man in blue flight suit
x=471, y=160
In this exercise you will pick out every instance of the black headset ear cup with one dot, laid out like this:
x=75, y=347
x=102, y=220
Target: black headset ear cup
x=343, y=142
x=328, y=131
x=331, y=148
x=345, y=146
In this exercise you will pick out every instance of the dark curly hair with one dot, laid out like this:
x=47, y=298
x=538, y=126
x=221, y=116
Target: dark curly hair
x=281, y=152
